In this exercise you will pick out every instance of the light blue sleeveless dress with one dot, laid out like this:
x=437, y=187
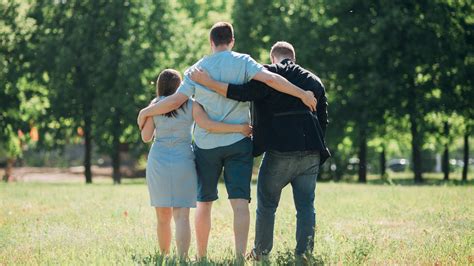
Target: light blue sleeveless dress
x=170, y=170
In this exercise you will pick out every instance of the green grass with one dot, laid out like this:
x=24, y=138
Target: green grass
x=72, y=223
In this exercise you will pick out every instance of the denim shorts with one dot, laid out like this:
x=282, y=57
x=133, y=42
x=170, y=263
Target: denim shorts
x=237, y=161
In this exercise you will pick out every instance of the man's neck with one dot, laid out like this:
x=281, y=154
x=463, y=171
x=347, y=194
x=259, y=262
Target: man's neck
x=221, y=48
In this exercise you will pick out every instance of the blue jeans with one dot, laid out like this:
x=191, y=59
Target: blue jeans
x=279, y=169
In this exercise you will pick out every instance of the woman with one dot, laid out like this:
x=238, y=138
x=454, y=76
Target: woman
x=171, y=172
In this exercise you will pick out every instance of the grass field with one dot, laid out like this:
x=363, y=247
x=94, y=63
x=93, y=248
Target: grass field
x=72, y=223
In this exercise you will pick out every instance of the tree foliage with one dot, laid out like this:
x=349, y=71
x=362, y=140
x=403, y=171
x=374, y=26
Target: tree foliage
x=398, y=73
x=22, y=99
x=384, y=63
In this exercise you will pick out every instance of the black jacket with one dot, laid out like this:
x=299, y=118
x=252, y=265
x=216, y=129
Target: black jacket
x=282, y=122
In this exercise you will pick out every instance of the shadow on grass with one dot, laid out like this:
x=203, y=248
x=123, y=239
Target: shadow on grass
x=74, y=183
x=427, y=181
x=279, y=258
x=159, y=259
x=404, y=180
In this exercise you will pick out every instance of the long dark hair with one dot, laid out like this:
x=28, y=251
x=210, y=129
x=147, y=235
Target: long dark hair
x=167, y=83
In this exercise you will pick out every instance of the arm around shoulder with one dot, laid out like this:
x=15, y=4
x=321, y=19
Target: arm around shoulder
x=281, y=84
x=266, y=77
x=164, y=106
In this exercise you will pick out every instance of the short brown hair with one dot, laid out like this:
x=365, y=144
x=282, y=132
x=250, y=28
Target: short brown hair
x=221, y=33
x=283, y=49
x=167, y=83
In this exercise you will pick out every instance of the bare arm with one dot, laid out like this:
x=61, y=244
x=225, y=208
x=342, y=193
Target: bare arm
x=280, y=84
x=251, y=91
x=203, y=121
x=271, y=79
x=148, y=130
x=164, y=106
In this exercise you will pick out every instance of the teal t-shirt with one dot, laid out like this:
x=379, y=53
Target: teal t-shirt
x=228, y=67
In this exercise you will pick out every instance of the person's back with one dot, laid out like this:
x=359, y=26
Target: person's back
x=300, y=77
x=283, y=123
x=293, y=139
x=232, y=151
x=174, y=130
x=170, y=171
x=230, y=67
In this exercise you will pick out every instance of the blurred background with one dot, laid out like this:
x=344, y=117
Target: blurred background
x=398, y=75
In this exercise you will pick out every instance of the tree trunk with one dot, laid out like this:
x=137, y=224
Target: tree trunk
x=116, y=175
x=118, y=33
x=8, y=177
x=465, y=168
x=80, y=82
x=362, y=156
x=416, y=149
x=87, y=147
x=446, y=153
x=383, y=163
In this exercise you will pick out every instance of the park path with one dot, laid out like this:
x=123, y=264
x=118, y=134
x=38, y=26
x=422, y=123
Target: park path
x=50, y=174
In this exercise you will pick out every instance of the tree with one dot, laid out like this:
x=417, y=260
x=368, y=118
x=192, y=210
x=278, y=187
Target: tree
x=458, y=63
x=94, y=54
x=465, y=168
x=22, y=100
x=71, y=38
x=341, y=42
x=414, y=33
x=105, y=54
x=379, y=60
x=358, y=57
x=131, y=46
x=258, y=24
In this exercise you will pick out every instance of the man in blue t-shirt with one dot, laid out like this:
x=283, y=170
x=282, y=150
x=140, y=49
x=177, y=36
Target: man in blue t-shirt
x=231, y=151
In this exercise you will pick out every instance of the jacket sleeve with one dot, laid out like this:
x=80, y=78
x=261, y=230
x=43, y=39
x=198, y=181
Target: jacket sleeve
x=322, y=108
x=250, y=91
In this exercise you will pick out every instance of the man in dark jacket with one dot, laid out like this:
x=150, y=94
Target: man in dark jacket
x=292, y=138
